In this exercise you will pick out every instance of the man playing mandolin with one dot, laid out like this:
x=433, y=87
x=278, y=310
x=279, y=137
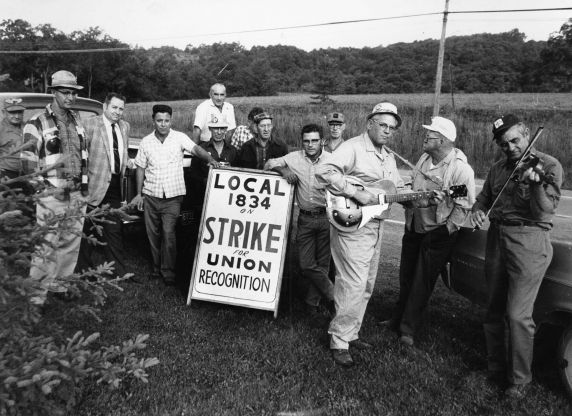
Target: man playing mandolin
x=356, y=252
x=431, y=224
x=520, y=209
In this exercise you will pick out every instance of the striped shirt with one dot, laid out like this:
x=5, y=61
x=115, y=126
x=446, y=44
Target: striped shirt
x=163, y=164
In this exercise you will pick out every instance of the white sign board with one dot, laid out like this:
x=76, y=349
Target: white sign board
x=242, y=239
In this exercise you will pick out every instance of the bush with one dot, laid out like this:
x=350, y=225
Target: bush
x=42, y=369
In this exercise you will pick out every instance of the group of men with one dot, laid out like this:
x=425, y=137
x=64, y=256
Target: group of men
x=518, y=246
x=82, y=163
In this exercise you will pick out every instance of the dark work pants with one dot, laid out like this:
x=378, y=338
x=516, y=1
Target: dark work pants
x=111, y=232
x=423, y=256
x=516, y=260
x=313, y=239
x=161, y=215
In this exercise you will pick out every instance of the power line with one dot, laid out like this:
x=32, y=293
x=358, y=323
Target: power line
x=512, y=10
x=341, y=22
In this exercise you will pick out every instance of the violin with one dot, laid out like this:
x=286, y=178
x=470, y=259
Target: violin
x=534, y=162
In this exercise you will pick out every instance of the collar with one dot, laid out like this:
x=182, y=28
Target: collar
x=446, y=160
x=156, y=138
x=11, y=126
x=313, y=162
x=214, y=105
x=211, y=143
x=108, y=122
x=370, y=147
x=258, y=140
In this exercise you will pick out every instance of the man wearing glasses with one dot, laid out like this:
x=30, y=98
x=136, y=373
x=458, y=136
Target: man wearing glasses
x=431, y=224
x=356, y=253
x=337, y=125
x=313, y=232
x=61, y=150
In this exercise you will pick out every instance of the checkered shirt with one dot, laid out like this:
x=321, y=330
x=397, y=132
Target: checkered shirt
x=241, y=135
x=163, y=164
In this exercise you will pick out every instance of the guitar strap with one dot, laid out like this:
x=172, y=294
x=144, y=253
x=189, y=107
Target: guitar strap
x=412, y=166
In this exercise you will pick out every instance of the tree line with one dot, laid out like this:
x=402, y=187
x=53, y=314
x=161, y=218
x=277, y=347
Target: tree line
x=485, y=62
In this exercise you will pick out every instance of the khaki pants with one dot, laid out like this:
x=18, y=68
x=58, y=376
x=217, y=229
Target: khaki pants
x=356, y=255
x=58, y=257
x=516, y=260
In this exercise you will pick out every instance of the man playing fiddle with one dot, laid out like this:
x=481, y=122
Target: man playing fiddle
x=518, y=250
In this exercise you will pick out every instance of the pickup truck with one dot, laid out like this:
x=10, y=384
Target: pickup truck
x=465, y=275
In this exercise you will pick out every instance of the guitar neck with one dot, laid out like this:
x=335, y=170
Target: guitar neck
x=412, y=196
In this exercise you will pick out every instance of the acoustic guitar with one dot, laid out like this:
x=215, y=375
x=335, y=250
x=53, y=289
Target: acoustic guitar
x=346, y=214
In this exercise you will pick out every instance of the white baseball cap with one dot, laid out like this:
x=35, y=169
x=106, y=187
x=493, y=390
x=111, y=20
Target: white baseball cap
x=217, y=123
x=444, y=126
x=385, y=108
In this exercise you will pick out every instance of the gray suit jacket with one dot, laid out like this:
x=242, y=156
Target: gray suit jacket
x=99, y=159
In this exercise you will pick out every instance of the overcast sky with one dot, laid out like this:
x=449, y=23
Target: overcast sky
x=149, y=23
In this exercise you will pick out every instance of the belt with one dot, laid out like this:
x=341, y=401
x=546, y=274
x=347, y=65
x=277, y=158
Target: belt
x=319, y=212
x=521, y=223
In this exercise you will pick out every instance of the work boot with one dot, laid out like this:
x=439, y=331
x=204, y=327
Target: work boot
x=391, y=324
x=359, y=344
x=516, y=391
x=406, y=340
x=343, y=358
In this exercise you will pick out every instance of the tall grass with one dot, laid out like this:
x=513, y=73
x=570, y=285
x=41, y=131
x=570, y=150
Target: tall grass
x=473, y=117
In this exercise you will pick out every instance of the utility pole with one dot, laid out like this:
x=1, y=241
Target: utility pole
x=439, y=75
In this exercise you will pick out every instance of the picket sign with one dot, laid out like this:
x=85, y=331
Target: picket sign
x=241, y=248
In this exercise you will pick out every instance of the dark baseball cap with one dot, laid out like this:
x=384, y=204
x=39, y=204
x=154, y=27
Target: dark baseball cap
x=502, y=124
x=262, y=116
x=335, y=118
x=13, y=104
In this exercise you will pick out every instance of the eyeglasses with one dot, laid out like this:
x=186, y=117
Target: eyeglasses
x=430, y=138
x=67, y=93
x=335, y=126
x=385, y=126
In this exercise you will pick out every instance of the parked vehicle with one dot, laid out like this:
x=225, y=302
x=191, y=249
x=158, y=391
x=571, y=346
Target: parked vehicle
x=466, y=276
x=34, y=102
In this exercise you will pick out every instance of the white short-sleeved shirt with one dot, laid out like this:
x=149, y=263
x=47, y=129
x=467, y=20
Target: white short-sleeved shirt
x=207, y=112
x=163, y=164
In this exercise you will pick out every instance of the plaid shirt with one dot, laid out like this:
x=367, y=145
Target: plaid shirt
x=69, y=143
x=163, y=164
x=241, y=135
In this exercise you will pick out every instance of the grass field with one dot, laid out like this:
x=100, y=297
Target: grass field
x=223, y=360
x=473, y=117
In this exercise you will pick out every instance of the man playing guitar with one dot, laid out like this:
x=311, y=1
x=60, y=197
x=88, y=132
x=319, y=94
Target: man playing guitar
x=356, y=253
